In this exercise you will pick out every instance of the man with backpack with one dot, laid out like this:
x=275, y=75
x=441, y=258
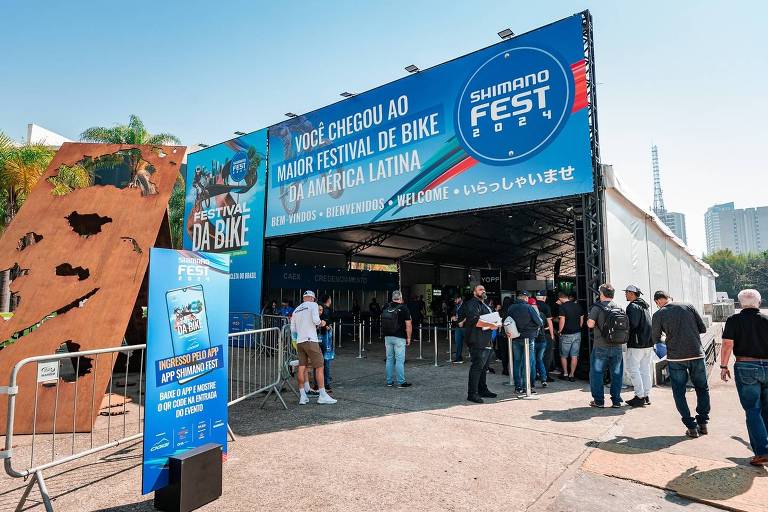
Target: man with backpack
x=610, y=326
x=683, y=326
x=639, y=347
x=397, y=328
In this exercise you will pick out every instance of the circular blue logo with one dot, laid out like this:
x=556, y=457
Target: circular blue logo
x=239, y=166
x=513, y=105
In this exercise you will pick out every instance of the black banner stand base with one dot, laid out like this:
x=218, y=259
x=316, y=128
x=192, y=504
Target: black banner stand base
x=194, y=480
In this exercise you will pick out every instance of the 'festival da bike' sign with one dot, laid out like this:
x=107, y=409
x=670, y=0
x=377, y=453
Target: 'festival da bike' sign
x=224, y=210
x=186, y=376
x=503, y=125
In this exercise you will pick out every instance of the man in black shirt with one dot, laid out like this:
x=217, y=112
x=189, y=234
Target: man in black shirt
x=478, y=341
x=397, y=329
x=569, y=321
x=746, y=335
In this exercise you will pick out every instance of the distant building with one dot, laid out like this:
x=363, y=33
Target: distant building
x=676, y=222
x=742, y=231
x=36, y=134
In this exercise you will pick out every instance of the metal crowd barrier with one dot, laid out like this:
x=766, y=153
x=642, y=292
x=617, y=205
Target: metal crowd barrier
x=259, y=362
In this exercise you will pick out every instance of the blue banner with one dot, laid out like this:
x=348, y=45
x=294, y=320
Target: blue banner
x=504, y=125
x=224, y=211
x=186, y=379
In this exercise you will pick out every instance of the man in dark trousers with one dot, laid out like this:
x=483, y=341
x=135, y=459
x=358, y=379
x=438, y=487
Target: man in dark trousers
x=478, y=341
x=528, y=322
x=639, y=347
x=746, y=336
x=683, y=327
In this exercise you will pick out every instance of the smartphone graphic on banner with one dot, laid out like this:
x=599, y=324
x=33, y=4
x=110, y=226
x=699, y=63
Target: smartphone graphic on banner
x=188, y=319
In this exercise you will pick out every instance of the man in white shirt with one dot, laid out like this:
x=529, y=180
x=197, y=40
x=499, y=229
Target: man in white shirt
x=304, y=324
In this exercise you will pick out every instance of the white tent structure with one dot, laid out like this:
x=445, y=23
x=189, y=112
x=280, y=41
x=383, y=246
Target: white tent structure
x=642, y=250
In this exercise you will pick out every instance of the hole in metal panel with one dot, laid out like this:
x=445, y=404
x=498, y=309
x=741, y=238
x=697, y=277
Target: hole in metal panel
x=65, y=269
x=134, y=243
x=123, y=169
x=87, y=224
x=27, y=240
x=76, y=366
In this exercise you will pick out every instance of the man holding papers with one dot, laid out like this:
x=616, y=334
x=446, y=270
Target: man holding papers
x=480, y=321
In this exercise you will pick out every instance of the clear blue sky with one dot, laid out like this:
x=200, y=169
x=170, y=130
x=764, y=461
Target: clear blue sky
x=689, y=76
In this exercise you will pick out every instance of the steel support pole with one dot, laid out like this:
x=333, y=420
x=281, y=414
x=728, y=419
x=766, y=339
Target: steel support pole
x=509, y=364
x=528, y=394
x=420, y=355
x=435, y=345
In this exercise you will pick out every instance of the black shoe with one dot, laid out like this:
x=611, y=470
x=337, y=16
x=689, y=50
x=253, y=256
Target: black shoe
x=703, y=430
x=458, y=361
x=475, y=399
x=544, y=383
x=488, y=394
x=550, y=379
x=533, y=391
x=390, y=384
x=405, y=385
x=616, y=405
x=491, y=370
x=519, y=391
x=563, y=376
x=636, y=402
x=692, y=433
x=571, y=379
x=647, y=401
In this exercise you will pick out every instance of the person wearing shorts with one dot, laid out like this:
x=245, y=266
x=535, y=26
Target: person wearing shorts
x=570, y=320
x=304, y=323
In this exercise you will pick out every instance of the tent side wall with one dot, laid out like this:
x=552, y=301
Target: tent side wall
x=641, y=251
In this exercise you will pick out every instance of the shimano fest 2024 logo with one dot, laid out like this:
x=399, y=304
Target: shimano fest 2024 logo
x=513, y=105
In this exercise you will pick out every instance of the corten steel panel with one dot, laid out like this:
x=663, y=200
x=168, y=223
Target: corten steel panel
x=116, y=270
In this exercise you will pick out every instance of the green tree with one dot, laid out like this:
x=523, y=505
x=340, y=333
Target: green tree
x=21, y=166
x=132, y=133
x=135, y=133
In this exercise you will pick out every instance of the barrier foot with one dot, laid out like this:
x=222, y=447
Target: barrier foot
x=278, y=396
x=37, y=478
x=231, y=434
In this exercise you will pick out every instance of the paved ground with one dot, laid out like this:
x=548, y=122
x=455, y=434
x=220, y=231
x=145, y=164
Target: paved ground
x=425, y=448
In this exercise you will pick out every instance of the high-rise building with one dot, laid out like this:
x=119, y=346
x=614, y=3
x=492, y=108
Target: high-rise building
x=674, y=221
x=740, y=230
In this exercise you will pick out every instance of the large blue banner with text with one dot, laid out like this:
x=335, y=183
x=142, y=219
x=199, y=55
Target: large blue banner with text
x=504, y=125
x=186, y=358
x=224, y=211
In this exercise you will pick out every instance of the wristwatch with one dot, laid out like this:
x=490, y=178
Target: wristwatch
x=723, y=367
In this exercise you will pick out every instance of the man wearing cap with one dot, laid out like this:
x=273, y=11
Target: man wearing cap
x=683, y=326
x=546, y=338
x=528, y=322
x=639, y=346
x=304, y=324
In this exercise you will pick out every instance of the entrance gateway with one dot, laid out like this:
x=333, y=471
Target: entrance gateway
x=486, y=165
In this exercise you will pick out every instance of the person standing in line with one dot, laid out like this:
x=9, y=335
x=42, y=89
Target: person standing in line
x=540, y=346
x=477, y=335
x=639, y=347
x=546, y=337
x=374, y=308
x=528, y=322
x=326, y=340
x=570, y=320
x=355, y=308
x=457, y=319
x=397, y=328
x=611, y=330
x=304, y=323
x=683, y=327
x=746, y=336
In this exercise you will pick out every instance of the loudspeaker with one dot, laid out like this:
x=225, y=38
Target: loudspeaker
x=194, y=479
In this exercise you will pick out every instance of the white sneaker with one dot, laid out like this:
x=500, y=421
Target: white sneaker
x=326, y=399
x=303, y=400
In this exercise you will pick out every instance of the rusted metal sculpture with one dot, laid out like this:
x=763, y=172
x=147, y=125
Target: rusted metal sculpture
x=72, y=263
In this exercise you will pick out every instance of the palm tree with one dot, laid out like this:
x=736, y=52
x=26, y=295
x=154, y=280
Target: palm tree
x=135, y=133
x=20, y=168
x=132, y=133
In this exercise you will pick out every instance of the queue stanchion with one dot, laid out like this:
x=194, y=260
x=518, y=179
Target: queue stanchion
x=435, y=345
x=359, y=341
x=509, y=363
x=450, y=335
x=370, y=334
x=528, y=394
x=420, y=356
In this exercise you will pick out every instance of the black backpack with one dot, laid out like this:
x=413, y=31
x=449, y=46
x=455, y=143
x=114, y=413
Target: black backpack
x=389, y=319
x=615, y=325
